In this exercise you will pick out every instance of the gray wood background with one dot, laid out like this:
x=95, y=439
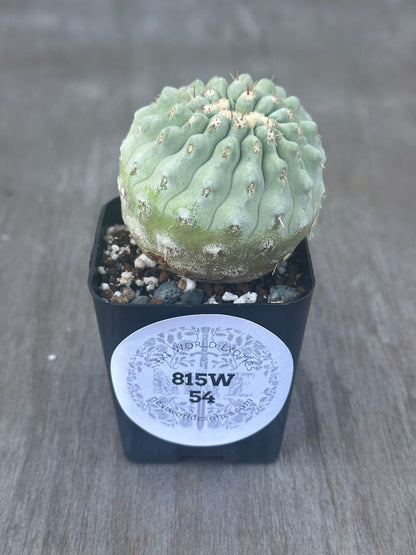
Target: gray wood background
x=71, y=75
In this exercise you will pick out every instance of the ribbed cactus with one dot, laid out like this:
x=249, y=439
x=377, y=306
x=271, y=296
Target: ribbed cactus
x=221, y=181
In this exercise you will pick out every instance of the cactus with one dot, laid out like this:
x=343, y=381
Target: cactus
x=220, y=182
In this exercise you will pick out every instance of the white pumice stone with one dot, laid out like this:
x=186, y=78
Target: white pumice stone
x=211, y=300
x=101, y=270
x=190, y=284
x=247, y=298
x=227, y=297
x=143, y=261
x=251, y=297
x=151, y=283
x=125, y=278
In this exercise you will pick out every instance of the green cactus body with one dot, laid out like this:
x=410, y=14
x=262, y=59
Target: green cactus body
x=220, y=182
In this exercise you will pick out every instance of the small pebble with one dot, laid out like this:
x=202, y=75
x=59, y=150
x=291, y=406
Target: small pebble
x=181, y=284
x=219, y=288
x=128, y=293
x=247, y=298
x=186, y=284
x=229, y=297
x=282, y=294
x=261, y=291
x=243, y=287
x=163, y=276
x=143, y=261
x=208, y=290
x=140, y=299
x=125, y=279
x=211, y=300
x=151, y=283
x=120, y=299
x=101, y=270
x=193, y=297
x=168, y=292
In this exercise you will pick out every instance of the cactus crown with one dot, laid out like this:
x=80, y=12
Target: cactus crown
x=221, y=181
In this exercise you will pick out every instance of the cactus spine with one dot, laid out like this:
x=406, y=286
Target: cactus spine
x=221, y=181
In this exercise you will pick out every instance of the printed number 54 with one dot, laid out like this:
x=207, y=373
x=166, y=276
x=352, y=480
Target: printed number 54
x=196, y=397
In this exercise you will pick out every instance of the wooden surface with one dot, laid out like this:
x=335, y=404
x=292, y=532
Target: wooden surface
x=71, y=75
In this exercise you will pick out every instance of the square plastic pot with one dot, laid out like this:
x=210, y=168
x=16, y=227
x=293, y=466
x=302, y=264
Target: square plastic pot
x=279, y=323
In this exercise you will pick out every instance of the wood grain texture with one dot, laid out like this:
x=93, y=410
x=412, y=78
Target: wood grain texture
x=71, y=75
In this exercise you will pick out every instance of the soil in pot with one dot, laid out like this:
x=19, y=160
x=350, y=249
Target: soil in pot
x=129, y=276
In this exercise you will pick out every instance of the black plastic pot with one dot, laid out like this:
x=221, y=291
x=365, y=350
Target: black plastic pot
x=116, y=322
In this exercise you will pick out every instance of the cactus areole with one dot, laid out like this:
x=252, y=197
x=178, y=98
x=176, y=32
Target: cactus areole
x=221, y=181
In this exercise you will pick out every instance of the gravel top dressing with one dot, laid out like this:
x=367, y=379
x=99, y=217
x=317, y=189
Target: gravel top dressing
x=129, y=276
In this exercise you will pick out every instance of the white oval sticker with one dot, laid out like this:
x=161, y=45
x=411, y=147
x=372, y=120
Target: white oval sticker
x=202, y=380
